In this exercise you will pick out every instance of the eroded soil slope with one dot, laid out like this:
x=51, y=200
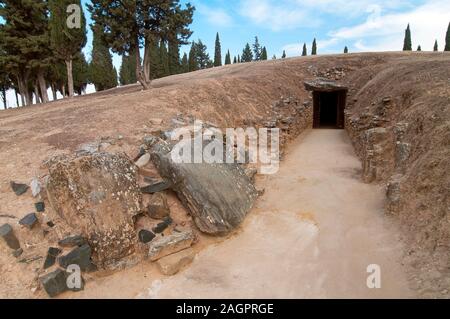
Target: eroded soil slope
x=242, y=95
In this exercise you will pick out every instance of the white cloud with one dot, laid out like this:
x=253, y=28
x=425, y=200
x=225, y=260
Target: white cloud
x=282, y=15
x=386, y=32
x=215, y=16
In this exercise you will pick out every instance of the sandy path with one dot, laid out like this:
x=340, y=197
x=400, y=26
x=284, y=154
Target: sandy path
x=312, y=235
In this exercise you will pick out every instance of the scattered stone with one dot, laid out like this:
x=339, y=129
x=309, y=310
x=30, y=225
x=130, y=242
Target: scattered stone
x=156, y=187
x=217, y=195
x=72, y=241
x=50, y=260
x=18, y=188
x=40, y=207
x=173, y=263
x=156, y=121
x=143, y=160
x=7, y=233
x=170, y=244
x=80, y=256
x=50, y=224
x=29, y=260
x=158, y=207
x=29, y=221
x=88, y=148
x=160, y=227
x=35, y=187
x=98, y=195
x=55, y=283
x=145, y=236
x=17, y=253
x=141, y=153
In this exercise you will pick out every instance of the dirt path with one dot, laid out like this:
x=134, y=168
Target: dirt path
x=312, y=235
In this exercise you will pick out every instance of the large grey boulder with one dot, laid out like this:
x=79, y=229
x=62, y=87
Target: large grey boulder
x=217, y=195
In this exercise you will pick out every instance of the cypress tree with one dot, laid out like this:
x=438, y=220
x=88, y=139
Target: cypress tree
x=102, y=72
x=407, y=44
x=257, y=51
x=345, y=49
x=419, y=48
x=274, y=57
x=184, y=63
x=435, y=48
x=217, y=52
x=447, y=39
x=66, y=41
x=239, y=59
x=164, y=60
x=174, y=57
x=247, y=55
x=201, y=56
x=264, y=54
x=192, y=58
x=80, y=73
x=314, y=47
x=228, y=58
x=234, y=60
x=24, y=38
x=283, y=56
x=304, y=51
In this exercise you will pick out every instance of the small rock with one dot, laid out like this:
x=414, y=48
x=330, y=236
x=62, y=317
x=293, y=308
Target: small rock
x=72, y=241
x=143, y=160
x=50, y=224
x=29, y=221
x=35, y=187
x=160, y=227
x=55, y=283
x=51, y=257
x=158, y=207
x=140, y=154
x=40, y=207
x=156, y=187
x=80, y=256
x=173, y=263
x=18, y=188
x=170, y=244
x=7, y=233
x=146, y=236
x=17, y=253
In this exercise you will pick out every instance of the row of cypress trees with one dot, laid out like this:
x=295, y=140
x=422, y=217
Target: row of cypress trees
x=407, y=42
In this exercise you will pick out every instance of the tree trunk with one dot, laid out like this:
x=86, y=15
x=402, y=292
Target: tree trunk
x=24, y=91
x=147, y=74
x=4, y=97
x=139, y=74
x=42, y=86
x=69, y=77
x=36, y=93
x=53, y=86
x=17, y=97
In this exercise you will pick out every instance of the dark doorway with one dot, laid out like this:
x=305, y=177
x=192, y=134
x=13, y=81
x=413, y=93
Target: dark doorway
x=329, y=109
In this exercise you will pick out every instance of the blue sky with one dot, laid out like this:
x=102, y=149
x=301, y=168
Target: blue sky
x=362, y=25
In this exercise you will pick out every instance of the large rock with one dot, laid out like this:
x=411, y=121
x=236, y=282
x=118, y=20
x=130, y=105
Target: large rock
x=55, y=283
x=217, y=195
x=97, y=196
